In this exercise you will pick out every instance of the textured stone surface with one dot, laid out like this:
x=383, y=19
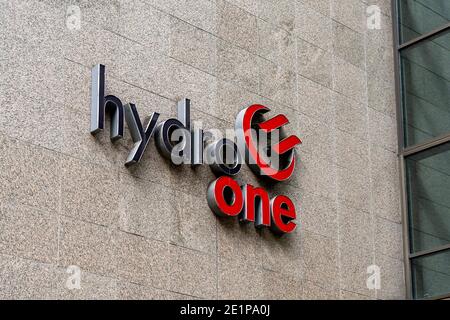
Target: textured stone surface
x=356, y=227
x=320, y=257
x=391, y=287
x=28, y=232
x=240, y=281
x=88, y=246
x=89, y=192
x=351, y=151
x=39, y=116
x=317, y=176
x=321, y=6
x=313, y=291
x=348, y=45
x=349, y=80
x=237, y=26
x=316, y=100
x=277, y=83
x=195, y=225
x=250, y=6
x=140, y=260
x=193, y=46
x=133, y=19
x=355, y=260
x=200, y=13
x=147, y=232
x=313, y=26
x=282, y=287
x=320, y=136
x=383, y=129
x=382, y=37
x=30, y=175
x=190, y=266
x=318, y=214
x=381, y=94
x=352, y=189
x=239, y=243
x=138, y=21
x=92, y=286
x=26, y=279
x=80, y=143
x=388, y=240
x=278, y=12
x=277, y=45
x=237, y=65
x=380, y=60
x=231, y=98
x=132, y=291
x=277, y=253
x=386, y=195
x=314, y=63
x=351, y=116
x=347, y=295
x=145, y=208
x=350, y=13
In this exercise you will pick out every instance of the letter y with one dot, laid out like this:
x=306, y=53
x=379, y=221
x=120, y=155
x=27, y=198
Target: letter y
x=139, y=136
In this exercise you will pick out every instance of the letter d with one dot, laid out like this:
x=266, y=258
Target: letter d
x=173, y=136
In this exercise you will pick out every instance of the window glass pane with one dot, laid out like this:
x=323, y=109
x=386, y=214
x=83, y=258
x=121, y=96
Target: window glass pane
x=428, y=186
x=426, y=89
x=431, y=275
x=418, y=17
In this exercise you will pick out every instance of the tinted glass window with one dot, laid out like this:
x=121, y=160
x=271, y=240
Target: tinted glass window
x=426, y=89
x=418, y=17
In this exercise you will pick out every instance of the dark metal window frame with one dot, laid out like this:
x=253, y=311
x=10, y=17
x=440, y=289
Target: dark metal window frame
x=408, y=151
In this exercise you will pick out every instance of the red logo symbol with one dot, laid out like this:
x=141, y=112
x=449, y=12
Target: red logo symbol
x=276, y=159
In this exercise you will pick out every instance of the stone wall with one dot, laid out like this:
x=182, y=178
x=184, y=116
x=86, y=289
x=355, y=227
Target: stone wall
x=147, y=232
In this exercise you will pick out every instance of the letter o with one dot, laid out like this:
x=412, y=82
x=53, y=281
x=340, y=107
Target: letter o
x=219, y=151
x=225, y=197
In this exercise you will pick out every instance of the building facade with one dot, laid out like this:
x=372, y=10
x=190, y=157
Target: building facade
x=76, y=223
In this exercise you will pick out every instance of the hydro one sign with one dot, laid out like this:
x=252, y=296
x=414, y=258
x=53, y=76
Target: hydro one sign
x=258, y=140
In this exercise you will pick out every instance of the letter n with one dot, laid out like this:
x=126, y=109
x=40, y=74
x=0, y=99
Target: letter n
x=256, y=207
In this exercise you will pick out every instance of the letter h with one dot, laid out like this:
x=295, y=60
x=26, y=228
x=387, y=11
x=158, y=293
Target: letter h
x=101, y=104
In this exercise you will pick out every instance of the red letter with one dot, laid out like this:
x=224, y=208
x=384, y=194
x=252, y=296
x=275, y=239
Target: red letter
x=256, y=203
x=225, y=197
x=283, y=211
